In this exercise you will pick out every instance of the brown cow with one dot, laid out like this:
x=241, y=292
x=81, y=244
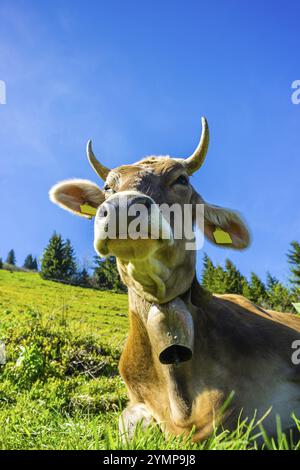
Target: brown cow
x=187, y=349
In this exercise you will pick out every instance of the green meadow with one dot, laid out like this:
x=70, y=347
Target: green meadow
x=60, y=387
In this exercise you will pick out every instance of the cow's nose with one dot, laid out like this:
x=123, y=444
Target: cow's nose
x=117, y=204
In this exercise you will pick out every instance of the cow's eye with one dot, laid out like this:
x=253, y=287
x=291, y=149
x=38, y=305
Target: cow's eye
x=182, y=179
x=108, y=188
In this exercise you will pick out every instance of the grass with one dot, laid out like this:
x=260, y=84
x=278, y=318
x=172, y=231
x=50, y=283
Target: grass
x=60, y=387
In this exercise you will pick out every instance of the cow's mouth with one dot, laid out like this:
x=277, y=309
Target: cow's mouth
x=128, y=249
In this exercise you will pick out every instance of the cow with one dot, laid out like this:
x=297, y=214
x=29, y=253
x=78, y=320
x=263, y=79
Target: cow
x=192, y=360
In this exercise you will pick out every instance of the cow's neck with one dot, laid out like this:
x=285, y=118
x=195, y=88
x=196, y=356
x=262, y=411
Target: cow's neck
x=175, y=376
x=147, y=278
x=162, y=276
x=141, y=306
x=195, y=296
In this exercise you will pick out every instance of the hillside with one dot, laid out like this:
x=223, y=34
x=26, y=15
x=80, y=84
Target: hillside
x=60, y=387
x=62, y=345
x=92, y=311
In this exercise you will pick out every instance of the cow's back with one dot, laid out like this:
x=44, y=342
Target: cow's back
x=286, y=318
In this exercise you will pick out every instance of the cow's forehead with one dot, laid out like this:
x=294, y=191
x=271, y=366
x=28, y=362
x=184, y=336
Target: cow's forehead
x=148, y=165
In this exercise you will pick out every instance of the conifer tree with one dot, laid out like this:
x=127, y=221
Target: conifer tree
x=271, y=281
x=294, y=261
x=215, y=278
x=219, y=280
x=83, y=278
x=233, y=279
x=35, y=265
x=28, y=262
x=208, y=272
x=280, y=298
x=52, y=265
x=1, y=263
x=69, y=262
x=258, y=293
x=106, y=275
x=246, y=290
x=11, y=258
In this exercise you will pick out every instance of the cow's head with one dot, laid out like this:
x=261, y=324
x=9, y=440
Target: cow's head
x=157, y=268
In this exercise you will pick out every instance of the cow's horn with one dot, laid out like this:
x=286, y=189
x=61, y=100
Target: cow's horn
x=195, y=161
x=101, y=170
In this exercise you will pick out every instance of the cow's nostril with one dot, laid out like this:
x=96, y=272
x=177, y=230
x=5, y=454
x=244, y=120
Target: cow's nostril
x=103, y=212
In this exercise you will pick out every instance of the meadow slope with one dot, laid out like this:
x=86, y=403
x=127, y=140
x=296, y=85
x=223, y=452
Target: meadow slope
x=60, y=387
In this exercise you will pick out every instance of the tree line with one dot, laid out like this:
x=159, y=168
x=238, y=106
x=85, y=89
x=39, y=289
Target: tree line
x=59, y=263
x=272, y=294
x=30, y=262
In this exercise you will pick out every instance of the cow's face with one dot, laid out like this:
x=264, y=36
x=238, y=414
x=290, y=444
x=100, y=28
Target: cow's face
x=132, y=221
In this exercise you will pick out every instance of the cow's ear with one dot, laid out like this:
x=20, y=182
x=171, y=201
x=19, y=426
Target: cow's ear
x=81, y=197
x=225, y=227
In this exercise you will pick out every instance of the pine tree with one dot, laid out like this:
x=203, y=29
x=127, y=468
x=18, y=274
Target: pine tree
x=271, y=281
x=83, y=278
x=219, y=280
x=233, y=279
x=294, y=260
x=28, y=262
x=69, y=262
x=279, y=297
x=11, y=258
x=208, y=272
x=1, y=263
x=246, y=290
x=106, y=275
x=257, y=290
x=35, y=265
x=52, y=265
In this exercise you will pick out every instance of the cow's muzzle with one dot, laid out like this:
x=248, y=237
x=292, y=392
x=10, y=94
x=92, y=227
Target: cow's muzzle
x=129, y=225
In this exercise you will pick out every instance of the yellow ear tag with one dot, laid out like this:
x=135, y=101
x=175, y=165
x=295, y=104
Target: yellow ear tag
x=88, y=210
x=221, y=237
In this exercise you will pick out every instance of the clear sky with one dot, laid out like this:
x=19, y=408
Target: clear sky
x=136, y=77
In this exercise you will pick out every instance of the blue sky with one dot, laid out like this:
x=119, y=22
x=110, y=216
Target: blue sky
x=136, y=78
